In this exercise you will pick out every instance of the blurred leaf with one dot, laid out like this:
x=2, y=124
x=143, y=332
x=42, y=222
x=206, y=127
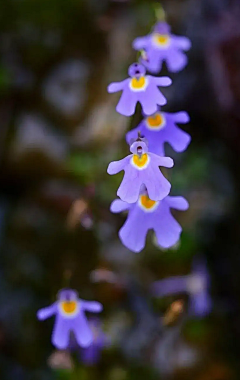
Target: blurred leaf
x=5, y=79
x=194, y=171
x=197, y=330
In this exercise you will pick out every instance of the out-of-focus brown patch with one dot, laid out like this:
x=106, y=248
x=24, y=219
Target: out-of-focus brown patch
x=77, y=212
x=216, y=371
x=174, y=312
x=60, y=360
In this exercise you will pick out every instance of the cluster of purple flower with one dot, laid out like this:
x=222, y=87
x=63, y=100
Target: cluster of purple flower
x=144, y=191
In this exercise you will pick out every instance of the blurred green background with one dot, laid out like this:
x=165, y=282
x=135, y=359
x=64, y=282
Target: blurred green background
x=59, y=130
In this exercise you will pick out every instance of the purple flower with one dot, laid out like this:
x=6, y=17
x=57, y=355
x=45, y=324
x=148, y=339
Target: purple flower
x=139, y=88
x=141, y=168
x=196, y=285
x=147, y=214
x=70, y=316
x=161, y=128
x=91, y=355
x=161, y=45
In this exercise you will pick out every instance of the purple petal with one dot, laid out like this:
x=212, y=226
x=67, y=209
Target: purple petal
x=167, y=162
x=157, y=185
x=118, y=206
x=127, y=103
x=180, y=117
x=93, y=306
x=82, y=331
x=141, y=42
x=157, y=147
x=178, y=203
x=154, y=61
x=150, y=100
x=162, y=27
x=167, y=230
x=200, y=304
x=162, y=81
x=47, y=312
x=176, y=60
x=116, y=166
x=117, y=86
x=155, y=95
x=169, y=286
x=134, y=231
x=60, y=335
x=181, y=42
x=178, y=139
x=129, y=189
x=156, y=144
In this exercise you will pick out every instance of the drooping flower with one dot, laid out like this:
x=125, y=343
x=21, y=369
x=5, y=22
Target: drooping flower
x=161, y=128
x=141, y=168
x=196, y=285
x=147, y=214
x=70, y=316
x=91, y=355
x=160, y=45
x=139, y=88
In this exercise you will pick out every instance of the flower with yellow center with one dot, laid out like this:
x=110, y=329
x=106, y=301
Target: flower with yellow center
x=156, y=122
x=69, y=308
x=161, y=40
x=147, y=204
x=138, y=84
x=140, y=162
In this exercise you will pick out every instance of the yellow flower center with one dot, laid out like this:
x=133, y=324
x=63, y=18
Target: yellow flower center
x=146, y=203
x=156, y=121
x=140, y=162
x=69, y=307
x=161, y=40
x=138, y=84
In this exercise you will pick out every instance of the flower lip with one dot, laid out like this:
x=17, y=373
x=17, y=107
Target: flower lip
x=139, y=147
x=136, y=70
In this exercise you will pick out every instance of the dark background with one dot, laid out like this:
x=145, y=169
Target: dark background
x=59, y=130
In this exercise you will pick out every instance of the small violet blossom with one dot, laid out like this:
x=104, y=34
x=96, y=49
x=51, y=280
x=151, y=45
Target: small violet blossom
x=161, y=128
x=146, y=214
x=161, y=45
x=139, y=88
x=70, y=316
x=196, y=285
x=141, y=168
x=91, y=355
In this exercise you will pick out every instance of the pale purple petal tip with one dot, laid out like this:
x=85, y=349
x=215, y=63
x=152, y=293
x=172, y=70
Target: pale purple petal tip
x=118, y=206
x=60, y=335
x=181, y=117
